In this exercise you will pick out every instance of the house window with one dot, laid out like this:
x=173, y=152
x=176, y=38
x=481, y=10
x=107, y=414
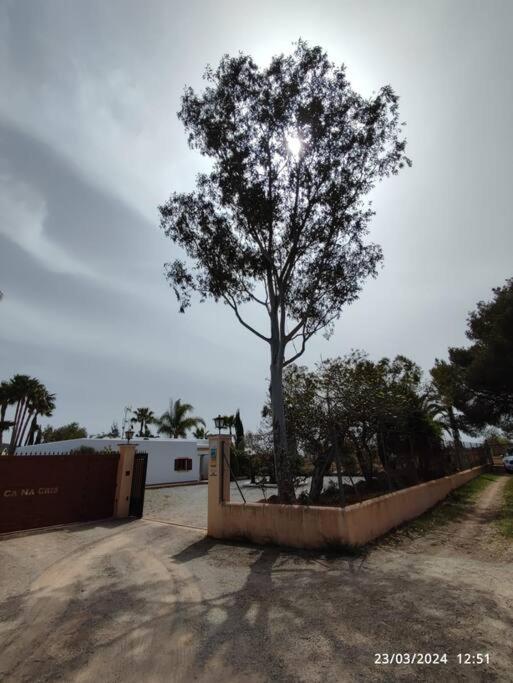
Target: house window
x=183, y=464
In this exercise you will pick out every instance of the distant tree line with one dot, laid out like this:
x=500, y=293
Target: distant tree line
x=24, y=400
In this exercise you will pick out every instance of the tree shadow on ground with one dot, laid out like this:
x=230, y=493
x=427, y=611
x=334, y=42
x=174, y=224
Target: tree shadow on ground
x=224, y=611
x=202, y=547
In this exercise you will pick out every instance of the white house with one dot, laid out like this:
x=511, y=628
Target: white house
x=170, y=461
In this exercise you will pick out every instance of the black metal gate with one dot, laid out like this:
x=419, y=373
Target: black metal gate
x=138, y=484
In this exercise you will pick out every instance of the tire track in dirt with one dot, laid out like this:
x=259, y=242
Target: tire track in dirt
x=107, y=601
x=475, y=532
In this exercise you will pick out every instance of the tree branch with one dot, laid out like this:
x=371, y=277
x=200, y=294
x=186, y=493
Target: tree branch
x=233, y=306
x=299, y=353
x=255, y=298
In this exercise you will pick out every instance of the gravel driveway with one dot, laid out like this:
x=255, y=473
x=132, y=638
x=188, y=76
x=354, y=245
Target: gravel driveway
x=188, y=504
x=154, y=602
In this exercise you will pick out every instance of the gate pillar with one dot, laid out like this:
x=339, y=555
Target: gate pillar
x=124, y=479
x=218, y=480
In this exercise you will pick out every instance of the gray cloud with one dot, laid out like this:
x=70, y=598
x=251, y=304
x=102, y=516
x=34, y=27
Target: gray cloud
x=90, y=145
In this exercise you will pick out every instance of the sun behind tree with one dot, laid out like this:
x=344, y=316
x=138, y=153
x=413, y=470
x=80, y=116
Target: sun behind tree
x=281, y=219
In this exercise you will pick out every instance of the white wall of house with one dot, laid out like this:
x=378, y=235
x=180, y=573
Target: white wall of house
x=162, y=454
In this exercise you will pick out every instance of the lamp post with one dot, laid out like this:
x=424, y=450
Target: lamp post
x=129, y=434
x=219, y=422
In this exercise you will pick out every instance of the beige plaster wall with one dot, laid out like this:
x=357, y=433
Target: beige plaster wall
x=301, y=526
x=124, y=480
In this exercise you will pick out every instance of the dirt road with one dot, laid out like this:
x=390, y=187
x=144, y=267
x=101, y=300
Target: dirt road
x=146, y=601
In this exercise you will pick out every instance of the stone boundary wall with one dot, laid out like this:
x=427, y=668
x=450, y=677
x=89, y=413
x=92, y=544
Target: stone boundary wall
x=301, y=526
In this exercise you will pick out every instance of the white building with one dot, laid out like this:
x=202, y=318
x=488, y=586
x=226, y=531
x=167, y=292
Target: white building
x=170, y=461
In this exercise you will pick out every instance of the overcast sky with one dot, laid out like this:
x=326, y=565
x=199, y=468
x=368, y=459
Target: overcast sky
x=90, y=145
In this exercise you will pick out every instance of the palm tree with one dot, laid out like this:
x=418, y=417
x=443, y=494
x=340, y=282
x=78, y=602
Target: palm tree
x=200, y=433
x=42, y=404
x=145, y=417
x=21, y=387
x=6, y=399
x=32, y=399
x=175, y=423
x=32, y=432
x=445, y=390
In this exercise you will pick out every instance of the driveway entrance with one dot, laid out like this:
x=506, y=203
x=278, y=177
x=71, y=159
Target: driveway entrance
x=140, y=601
x=187, y=505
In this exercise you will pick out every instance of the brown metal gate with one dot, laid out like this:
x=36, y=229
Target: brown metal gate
x=138, y=485
x=43, y=490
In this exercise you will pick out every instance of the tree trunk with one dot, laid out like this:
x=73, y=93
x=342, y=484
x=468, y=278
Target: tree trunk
x=456, y=439
x=32, y=432
x=322, y=463
x=382, y=455
x=365, y=467
x=18, y=420
x=340, y=479
x=252, y=479
x=3, y=410
x=28, y=419
x=16, y=410
x=282, y=459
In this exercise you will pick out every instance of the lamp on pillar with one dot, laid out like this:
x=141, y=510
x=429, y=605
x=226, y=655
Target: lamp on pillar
x=129, y=434
x=220, y=423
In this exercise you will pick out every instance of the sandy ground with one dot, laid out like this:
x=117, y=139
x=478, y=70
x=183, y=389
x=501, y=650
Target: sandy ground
x=148, y=601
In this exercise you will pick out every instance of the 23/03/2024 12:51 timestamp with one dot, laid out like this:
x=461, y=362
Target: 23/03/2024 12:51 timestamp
x=430, y=658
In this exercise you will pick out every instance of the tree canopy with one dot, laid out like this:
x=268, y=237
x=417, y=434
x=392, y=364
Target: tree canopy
x=486, y=366
x=280, y=221
x=176, y=421
x=69, y=431
x=375, y=410
x=143, y=417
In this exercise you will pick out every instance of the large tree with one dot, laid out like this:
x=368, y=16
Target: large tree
x=486, y=366
x=280, y=221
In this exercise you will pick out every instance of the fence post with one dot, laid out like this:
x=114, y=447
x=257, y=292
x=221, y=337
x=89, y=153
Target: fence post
x=124, y=479
x=218, y=481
